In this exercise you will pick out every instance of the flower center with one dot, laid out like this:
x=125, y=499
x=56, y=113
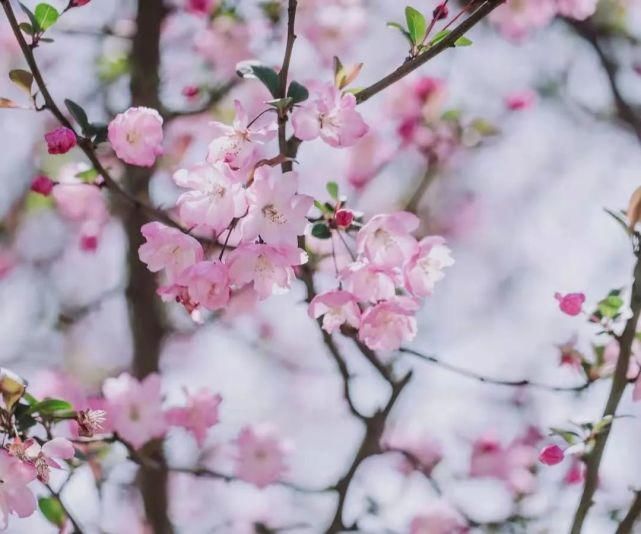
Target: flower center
x=270, y=212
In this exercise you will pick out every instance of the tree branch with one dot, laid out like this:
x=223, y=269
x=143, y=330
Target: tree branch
x=488, y=380
x=484, y=9
x=626, y=526
x=619, y=383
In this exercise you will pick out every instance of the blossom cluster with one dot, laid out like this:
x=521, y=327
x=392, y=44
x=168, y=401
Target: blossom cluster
x=517, y=18
x=380, y=290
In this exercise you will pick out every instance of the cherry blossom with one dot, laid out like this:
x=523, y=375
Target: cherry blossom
x=269, y=269
x=369, y=283
x=276, y=212
x=235, y=146
x=60, y=141
x=336, y=308
x=43, y=457
x=198, y=416
x=212, y=201
x=386, y=239
x=135, y=408
x=577, y=9
x=330, y=115
x=136, y=136
x=260, y=457
x=425, y=267
x=438, y=517
x=389, y=324
x=571, y=303
x=168, y=249
x=15, y=496
x=207, y=284
x=43, y=185
x=516, y=18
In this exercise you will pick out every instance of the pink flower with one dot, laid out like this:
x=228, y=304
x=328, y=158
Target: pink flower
x=267, y=268
x=60, y=141
x=43, y=185
x=366, y=159
x=386, y=239
x=276, y=212
x=336, y=308
x=389, y=324
x=438, y=517
x=425, y=451
x=520, y=100
x=135, y=408
x=426, y=265
x=224, y=43
x=213, y=200
x=15, y=495
x=260, y=457
x=79, y=3
x=235, y=146
x=570, y=304
x=516, y=18
x=369, y=283
x=330, y=115
x=169, y=249
x=344, y=218
x=575, y=475
x=136, y=136
x=577, y=9
x=551, y=455
x=42, y=458
x=570, y=356
x=200, y=414
x=207, y=284
x=201, y=7
x=512, y=464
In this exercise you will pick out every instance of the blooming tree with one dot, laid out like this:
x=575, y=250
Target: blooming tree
x=207, y=196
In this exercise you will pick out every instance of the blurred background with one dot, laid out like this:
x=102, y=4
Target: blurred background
x=519, y=191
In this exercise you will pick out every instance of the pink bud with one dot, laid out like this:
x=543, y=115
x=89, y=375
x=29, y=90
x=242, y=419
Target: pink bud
x=520, y=100
x=88, y=243
x=190, y=91
x=43, y=185
x=570, y=304
x=344, y=218
x=441, y=11
x=60, y=141
x=79, y=3
x=551, y=455
x=427, y=86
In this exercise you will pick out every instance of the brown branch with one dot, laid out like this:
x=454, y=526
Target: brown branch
x=57, y=495
x=283, y=145
x=85, y=144
x=625, y=112
x=627, y=524
x=488, y=380
x=484, y=9
x=619, y=383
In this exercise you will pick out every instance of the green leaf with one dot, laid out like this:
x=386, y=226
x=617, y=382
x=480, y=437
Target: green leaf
x=32, y=18
x=439, y=37
x=620, y=218
x=23, y=79
x=78, y=114
x=26, y=28
x=321, y=231
x=99, y=131
x=88, y=176
x=267, y=75
x=416, y=24
x=52, y=509
x=332, y=189
x=46, y=16
x=568, y=436
x=401, y=29
x=297, y=92
x=50, y=406
x=463, y=41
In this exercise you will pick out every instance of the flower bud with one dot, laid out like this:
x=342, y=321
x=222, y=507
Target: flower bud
x=12, y=387
x=570, y=304
x=551, y=455
x=441, y=11
x=43, y=185
x=60, y=141
x=344, y=218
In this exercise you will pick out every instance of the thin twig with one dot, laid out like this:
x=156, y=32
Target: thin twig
x=627, y=524
x=488, y=380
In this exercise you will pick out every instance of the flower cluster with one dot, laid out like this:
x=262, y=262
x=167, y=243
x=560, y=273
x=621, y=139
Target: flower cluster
x=381, y=288
x=517, y=18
